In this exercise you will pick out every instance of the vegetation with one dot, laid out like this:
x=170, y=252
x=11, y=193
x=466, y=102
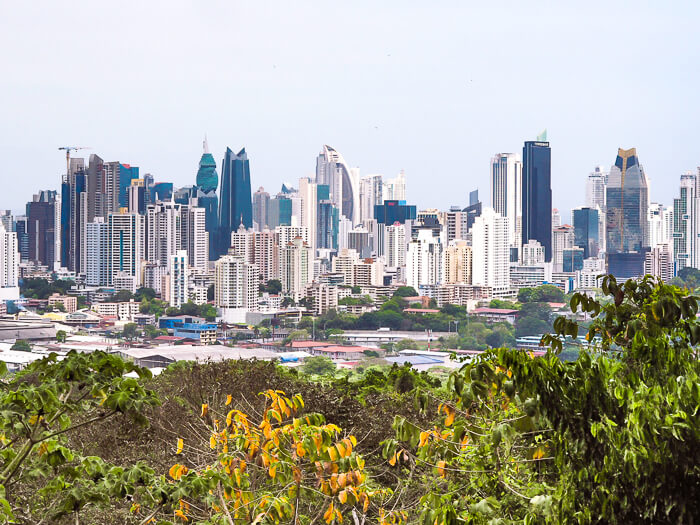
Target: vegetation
x=21, y=345
x=38, y=288
x=319, y=366
x=612, y=437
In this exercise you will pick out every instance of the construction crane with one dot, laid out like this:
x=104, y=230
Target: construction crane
x=68, y=149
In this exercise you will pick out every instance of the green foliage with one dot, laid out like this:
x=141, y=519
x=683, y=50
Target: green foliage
x=130, y=331
x=534, y=318
x=405, y=291
x=318, y=365
x=41, y=406
x=61, y=336
x=500, y=303
x=406, y=344
x=38, y=288
x=547, y=293
x=365, y=300
x=144, y=293
x=122, y=296
x=21, y=345
x=273, y=287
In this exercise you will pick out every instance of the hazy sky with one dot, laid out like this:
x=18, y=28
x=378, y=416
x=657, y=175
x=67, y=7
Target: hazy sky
x=434, y=88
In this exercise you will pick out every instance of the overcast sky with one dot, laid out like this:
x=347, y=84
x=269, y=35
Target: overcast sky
x=434, y=88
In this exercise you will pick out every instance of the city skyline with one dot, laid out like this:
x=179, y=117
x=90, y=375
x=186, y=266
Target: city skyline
x=396, y=101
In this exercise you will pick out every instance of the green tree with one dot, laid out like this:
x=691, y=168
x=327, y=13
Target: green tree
x=406, y=344
x=405, y=291
x=122, y=296
x=41, y=406
x=21, y=345
x=144, y=293
x=318, y=365
x=208, y=312
x=58, y=306
x=130, y=331
x=61, y=336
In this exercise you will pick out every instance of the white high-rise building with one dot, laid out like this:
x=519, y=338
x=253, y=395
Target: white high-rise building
x=562, y=239
x=194, y=237
x=296, y=267
x=163, y=229
x=659, y=262
x=243, y=244
x=686, y=230
x=425, y=260
x=660, y=225
x=125, y=245
x=395, y=245
x=595, y=188
x=458, y=262
x=236, y=284
x=506, y=191
x=371, y=190
x=179, y=277
x=395, y=189
x=491, y=250
x=309, y=209
x=344, y=262
x=97, y=248
x=343, y=182
x=9, y=265
x=532, y=253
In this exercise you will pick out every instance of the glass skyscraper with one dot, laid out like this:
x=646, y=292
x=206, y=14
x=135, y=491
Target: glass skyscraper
x=537, y=195
x=236, y=206
x=394, y=211
x=586, y=230
x=207, y=182
x=627, y=205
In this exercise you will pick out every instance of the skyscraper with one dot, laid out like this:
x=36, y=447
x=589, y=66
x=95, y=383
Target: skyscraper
x=506, y=191
x=236, y=206
x=9, y=265
x=595, y=188
x=627, y=198
x=296, y=265
x=74, y=214
x=207, y=182
x=97, y=249
x=586, y=230
x=332, y=170
x=41, y=228
x=395, y=189
x=686, y=223
x=371, y=191
x=425, y=260
x=178, y=266
x=490, y=251
x=261, y=203
x=537, y=195
x=474, y=209
x=125, y=246
x=627, y=224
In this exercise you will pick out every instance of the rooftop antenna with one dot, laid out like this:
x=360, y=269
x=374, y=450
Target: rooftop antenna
x=205, y=144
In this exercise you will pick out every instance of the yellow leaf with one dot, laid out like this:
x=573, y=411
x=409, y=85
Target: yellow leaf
x=365, y=504
x=353, y=440
x=342, y=480
x=341, y=450
x=181, y=515
x=212, y=441
x=539, y=453
x=450, y=416
x=423, y=438
x=177, y=471
x=343, y=496
x=272, y=471
x=180, y=445
x=329, y=514
x=392, y=460
x=333, y=453
x=360, y=463
x=205, y=409
x=300, y=449
x=441, y=468
x=229, y=398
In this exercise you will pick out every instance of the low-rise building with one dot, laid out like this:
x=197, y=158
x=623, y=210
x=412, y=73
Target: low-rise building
x=70, y=303
x=495, y=315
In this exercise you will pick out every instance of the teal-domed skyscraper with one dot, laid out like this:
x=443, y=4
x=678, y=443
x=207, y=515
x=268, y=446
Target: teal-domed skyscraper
x=207, y=182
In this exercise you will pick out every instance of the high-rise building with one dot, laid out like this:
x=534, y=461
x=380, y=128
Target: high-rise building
x=22, y=229
x=179, y=276
x=490, y=250
x=74, y=216
x=194, y=237
x=572, y=259
x=474, y=209
x=393, y=211
x=659, y=262
x=562, y=239
x=41, y=228
x=660, y=225
x=309, y=209
x=371, y=191
x=296, y=265
x=627, y=224
x=236, y=284
x=532, y=253
x=97, y=249
x=395, y=189
x=506, y=191
x=455, y=224
x=686, y=223
x=332, y=170
x=395, y=249
x=261, y=203
x=556, y=218
x=279, y=212
x=326, y=220
x=9, y=265
x=136, y=196
x=425, y=260
x=537, y=195
x=125, y=245
x=163, y=231
x=586, y=230
x=595, y=188
x=458, y=262
x=236, y=205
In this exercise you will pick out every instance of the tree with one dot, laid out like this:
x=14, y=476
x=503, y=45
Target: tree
x=406, y=344
x=405, y=291
x=58, y=306
x=41, y=406
x=130, y=331
x=318, y=365
x=61, y=336
x=495, y=339
x=547, y=293
x=595, y=440
x=144, y=293
x=210, y=293
x=273, y=287
x=208, y=312
x=288, y=301
x=122, y=296
x=21, y=345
